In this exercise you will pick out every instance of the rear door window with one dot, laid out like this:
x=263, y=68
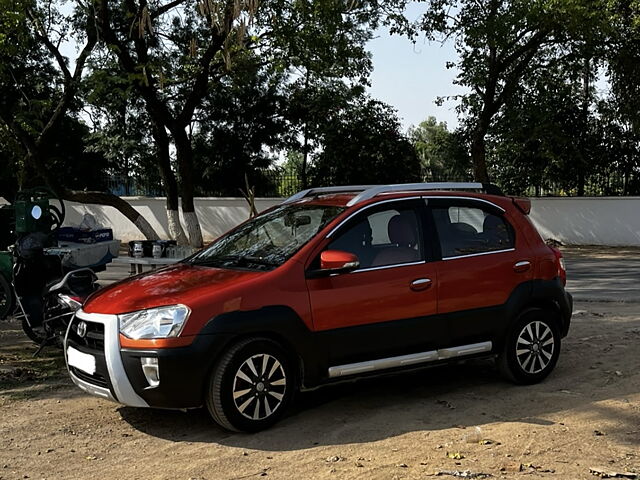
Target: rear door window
x=464, y=230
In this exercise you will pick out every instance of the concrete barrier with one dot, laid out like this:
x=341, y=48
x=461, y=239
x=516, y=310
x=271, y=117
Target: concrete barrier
x=611, y=221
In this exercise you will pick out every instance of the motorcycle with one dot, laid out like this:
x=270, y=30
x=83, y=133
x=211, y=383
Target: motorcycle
x=45, y=293
x=46, y=296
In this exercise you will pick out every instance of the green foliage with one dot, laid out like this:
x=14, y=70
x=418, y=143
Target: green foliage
x=121, y=127
x=443, y=154
x=30, y=91
x=362, y=144
x=623, y=60
x=240, y=128
x=531, y=112
x=562, y=138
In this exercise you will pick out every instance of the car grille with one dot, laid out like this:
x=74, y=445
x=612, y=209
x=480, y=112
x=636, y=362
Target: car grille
x=94, y=337
x=91, y=342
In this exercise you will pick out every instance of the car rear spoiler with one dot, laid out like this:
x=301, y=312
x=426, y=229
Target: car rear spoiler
x=523, y=204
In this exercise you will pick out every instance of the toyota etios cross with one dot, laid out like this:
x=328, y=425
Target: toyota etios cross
x=332, y=284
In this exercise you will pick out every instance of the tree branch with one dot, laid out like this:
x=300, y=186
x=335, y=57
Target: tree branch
x=165, y=8
x=49, y=44
x=70, y=84
x=202, y=79
x=516, y=74
x=532, y=44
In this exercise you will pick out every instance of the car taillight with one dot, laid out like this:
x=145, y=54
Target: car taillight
x=562, y=271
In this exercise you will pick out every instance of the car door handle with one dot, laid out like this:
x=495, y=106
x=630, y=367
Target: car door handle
x=420, y=284
x=522, y=266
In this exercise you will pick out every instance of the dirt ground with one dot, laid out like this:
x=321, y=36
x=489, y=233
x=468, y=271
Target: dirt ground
x=586, y=415
x=461, y=420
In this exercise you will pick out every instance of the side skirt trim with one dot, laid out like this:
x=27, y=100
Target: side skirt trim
x=407, y=360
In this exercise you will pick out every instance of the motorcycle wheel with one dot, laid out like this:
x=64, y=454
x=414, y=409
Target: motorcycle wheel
x=6, y=298
x=46, y=334
x=37, y=334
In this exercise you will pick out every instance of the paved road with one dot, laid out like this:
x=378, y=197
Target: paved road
x=604, y=275
x=594, y=274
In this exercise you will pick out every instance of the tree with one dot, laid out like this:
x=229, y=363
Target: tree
x=174, y=52
x=545, y=140
x=443, y=154
x=501, y=41
x=311, y=105
x=622, y=108
x=241, y=126
x=36, y=97
x=362, y=143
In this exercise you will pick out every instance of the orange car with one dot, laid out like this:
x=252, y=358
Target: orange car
x=332, y=284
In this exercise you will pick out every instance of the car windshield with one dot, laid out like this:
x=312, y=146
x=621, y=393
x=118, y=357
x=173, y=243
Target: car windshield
x=268, y=240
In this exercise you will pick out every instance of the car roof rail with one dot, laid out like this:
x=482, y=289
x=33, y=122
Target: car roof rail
x=369, y=191
x=311, y=192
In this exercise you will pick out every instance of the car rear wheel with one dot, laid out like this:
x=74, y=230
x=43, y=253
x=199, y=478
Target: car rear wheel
x=532, y=347
x=250, y=386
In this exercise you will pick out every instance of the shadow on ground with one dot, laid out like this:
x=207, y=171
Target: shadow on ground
x=439, y=398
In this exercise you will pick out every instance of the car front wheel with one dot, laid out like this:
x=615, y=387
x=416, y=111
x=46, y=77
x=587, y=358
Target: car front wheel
x=532, y=347
x=250, y=386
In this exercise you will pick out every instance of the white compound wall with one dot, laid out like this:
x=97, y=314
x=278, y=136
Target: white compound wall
x=613, y=221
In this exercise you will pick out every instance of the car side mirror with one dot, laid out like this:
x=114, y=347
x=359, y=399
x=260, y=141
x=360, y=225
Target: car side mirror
x=333, y=262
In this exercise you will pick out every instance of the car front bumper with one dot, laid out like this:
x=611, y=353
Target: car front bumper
x=119, y=376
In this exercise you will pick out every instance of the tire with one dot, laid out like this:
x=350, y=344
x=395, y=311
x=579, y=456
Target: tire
x=36, y=334
x=6, y=298
x=531, y=348
x=45, y=335
x=245, y=394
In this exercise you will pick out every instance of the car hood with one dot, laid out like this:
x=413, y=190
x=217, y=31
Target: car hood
x=182, y=283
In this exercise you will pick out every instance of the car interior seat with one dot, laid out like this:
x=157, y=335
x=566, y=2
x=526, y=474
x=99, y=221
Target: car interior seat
x=403, y=233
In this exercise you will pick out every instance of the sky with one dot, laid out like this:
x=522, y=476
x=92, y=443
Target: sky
x=410, y=76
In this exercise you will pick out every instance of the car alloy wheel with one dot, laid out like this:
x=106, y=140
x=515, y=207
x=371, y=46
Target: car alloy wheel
x=251, y=385
x=535, y=347
x=259, y=386
x=531, y=347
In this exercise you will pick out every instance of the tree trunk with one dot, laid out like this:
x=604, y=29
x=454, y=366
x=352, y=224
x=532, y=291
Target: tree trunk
x=185, y=167
x=585, y=125
x=305, y=160
x=305, y=147
x=170, y=183
x=479, y=154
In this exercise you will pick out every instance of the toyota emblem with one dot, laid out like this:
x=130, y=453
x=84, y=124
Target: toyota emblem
x=81, y=329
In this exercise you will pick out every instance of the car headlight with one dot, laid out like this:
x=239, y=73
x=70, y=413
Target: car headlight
x=161, y=322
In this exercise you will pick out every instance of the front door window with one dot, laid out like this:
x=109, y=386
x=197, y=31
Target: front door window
x=383, y=238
